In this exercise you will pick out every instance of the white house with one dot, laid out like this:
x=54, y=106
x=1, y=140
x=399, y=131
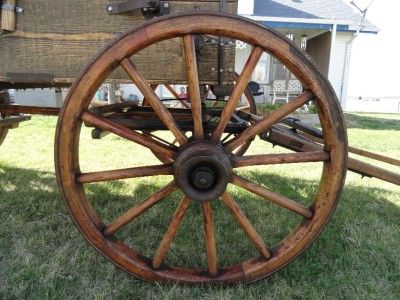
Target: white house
x=324, y=29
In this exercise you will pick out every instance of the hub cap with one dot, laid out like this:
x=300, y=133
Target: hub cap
x=202, y=170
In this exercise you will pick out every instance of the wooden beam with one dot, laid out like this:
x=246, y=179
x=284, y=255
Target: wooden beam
x=32, y=110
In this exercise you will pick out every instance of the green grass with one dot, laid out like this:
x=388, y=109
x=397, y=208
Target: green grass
x=42, y=254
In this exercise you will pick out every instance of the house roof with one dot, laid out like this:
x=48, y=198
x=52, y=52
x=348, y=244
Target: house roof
x=312, y=10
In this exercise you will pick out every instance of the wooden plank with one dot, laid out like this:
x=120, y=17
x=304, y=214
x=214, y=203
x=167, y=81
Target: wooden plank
x=76, y=16
x=32, y=110
x=12, y=122
x=60, y=37
x=209, y=237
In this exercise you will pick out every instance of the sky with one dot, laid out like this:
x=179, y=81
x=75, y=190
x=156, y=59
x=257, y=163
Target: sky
x=375, y=60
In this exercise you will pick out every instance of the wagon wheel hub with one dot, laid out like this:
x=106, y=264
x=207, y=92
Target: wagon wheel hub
x=202, y=170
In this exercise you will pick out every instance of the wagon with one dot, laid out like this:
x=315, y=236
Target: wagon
x=192, y=43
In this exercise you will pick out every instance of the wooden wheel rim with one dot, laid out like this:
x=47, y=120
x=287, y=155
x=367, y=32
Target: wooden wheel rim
x=68, y=131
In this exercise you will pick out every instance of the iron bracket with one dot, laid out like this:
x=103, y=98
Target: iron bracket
x=149, y=8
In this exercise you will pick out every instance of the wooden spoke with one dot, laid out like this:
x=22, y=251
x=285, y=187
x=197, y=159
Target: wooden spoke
x=246, y=225
x=125, y=173
x=134, y=212
x=281, y=158
x=151, y=97
x=153, y=87
x=173, y=228
x=237, y=92
x=209, y=236
x=270, y=120
x=193, y=85
x=128, y=134
x=272, y=196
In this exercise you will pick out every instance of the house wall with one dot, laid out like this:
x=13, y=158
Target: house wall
x=319, y=49
x=336, y=66
x=338, y=73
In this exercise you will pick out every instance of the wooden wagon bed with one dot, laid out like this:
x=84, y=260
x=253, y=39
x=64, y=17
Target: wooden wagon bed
x=53, y=40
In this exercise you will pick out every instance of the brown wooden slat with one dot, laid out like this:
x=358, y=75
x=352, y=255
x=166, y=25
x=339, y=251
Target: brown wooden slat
x=209, y=236
x=237, y=92
x=373, y=171
x=246, y=225
x=288, y=141
x=375, y=156
x=162, y=112
x=124, y=132
x=193, y=85
x=75, y=30
x=172, y=230
x=271, y=196
x=270, y=120
x=125, y=173
x=134, y=212
x=32, y=110
x=281, y=158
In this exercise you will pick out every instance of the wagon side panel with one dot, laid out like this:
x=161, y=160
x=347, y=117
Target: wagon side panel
x=53, y=40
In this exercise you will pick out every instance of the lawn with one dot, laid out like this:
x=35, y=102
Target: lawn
x=42, y=254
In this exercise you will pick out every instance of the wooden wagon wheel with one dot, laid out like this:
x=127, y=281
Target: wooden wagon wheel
x=195, y=163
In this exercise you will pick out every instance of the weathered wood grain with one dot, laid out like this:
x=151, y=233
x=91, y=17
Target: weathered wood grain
x=60, y=37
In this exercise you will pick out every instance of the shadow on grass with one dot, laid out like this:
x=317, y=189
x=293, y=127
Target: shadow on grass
x=375, y=123
x=42, y=255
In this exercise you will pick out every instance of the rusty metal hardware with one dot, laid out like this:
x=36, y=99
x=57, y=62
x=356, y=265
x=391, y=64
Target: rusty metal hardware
x=12, y=7
x=149, y=8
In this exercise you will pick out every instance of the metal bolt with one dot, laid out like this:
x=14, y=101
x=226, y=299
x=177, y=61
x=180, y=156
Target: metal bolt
x=144, y=8
x=221, y=44
x=213, y=69
x=110, y=8
x=221, y=70
x=203, y=181
x=166, y=5
x=19, y=10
